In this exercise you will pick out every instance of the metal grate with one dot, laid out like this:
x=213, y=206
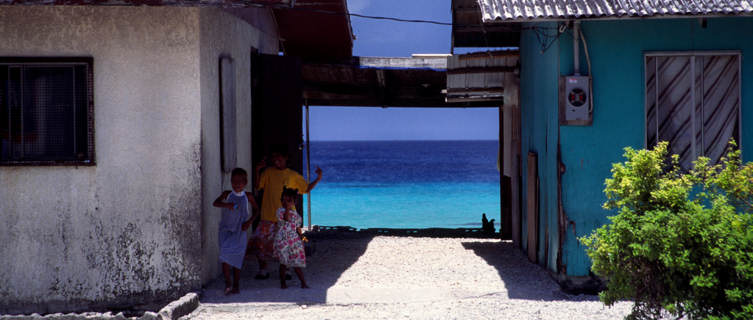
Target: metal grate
x=693, y=102
x=46, y=112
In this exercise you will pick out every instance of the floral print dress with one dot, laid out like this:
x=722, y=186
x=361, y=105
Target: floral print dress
x=288, y=247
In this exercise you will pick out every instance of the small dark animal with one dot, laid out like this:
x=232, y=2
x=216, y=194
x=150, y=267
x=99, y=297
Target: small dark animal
x=487, y=226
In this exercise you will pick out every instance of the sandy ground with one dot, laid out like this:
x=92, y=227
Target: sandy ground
x=412, y=278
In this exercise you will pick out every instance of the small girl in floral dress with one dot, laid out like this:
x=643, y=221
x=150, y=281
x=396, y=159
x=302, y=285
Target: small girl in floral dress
x=288, y=246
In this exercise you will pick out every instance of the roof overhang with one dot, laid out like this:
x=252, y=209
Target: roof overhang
x=178, y=3
x=316, y=30
x=310, y=29
x=418, y=81
x=469, y=31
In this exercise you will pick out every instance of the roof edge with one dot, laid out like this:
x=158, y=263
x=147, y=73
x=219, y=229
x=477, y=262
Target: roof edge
x=623, y=17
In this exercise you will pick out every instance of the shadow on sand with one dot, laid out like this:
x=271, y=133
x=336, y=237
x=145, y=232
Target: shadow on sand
x=321, y=273
x=523, y=279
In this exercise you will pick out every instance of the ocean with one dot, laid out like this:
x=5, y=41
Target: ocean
x=405, y=184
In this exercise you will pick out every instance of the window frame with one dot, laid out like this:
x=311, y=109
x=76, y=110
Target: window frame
x=694, y=53
x=90, y=159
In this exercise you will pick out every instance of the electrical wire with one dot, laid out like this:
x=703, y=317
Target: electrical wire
x=399, y=19
x=339, y=13
x=590, y=76
x=546, y=40
x=364, y=16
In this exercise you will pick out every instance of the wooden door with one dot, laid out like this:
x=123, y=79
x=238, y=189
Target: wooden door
x=277, y=119
x=277, y=89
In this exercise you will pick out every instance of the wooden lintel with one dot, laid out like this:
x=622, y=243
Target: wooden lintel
x=464, y=90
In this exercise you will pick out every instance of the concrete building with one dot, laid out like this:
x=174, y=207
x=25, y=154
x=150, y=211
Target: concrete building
x=112, y=149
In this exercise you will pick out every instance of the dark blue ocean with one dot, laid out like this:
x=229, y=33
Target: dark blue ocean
x=405, y=184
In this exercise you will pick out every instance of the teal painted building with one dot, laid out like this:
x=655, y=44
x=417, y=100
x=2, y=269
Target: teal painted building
x=617, y=50
x=683, y=74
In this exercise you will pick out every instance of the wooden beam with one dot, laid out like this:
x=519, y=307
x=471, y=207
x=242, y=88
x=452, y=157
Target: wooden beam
x=423, y=62
x=467, y=70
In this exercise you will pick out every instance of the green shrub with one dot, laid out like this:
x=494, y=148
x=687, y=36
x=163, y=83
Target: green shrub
x=681, y=242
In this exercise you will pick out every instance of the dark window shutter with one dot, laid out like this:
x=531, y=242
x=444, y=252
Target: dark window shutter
x=46, y=112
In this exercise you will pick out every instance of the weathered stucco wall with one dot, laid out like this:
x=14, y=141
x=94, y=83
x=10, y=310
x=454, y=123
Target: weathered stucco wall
x=125, y=229
x=224, y=34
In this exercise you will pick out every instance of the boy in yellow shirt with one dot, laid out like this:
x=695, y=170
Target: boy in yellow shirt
x=273, y=180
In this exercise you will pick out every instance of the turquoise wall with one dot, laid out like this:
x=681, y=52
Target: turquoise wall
x=616, y=48
x=539, y=131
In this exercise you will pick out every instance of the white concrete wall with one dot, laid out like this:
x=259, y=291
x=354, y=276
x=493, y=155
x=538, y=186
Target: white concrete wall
x=224, y=34
x=125, y=229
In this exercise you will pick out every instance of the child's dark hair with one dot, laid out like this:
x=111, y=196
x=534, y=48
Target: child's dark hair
x=279, y=150
x=239, y=172
x=292, y=193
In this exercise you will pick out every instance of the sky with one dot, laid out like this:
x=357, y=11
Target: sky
x=397, y=39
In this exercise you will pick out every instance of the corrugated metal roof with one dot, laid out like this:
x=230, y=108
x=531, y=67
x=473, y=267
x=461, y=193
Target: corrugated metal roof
x=526, y=10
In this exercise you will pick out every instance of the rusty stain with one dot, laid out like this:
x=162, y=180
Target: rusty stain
x=561, y=217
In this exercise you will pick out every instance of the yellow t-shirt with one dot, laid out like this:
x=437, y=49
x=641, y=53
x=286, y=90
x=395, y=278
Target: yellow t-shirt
x=273, y=180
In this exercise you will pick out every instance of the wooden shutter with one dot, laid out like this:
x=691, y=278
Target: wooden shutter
x=692, y=101
x=720, y=106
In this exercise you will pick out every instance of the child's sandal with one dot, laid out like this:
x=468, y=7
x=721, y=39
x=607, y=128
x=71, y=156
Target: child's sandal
x=228, y=290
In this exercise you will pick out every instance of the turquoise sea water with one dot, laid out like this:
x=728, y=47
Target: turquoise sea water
x=405, y=184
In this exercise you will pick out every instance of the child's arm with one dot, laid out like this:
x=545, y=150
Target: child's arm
x=219, y=203
x=249, y=222
x=286, y=215
x=252, y=201
x=313, y=184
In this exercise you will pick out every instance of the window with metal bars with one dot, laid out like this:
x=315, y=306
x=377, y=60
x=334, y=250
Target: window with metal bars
x=693, y=102
x=46, y=111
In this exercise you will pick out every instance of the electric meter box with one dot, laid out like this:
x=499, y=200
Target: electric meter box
x=575, y=100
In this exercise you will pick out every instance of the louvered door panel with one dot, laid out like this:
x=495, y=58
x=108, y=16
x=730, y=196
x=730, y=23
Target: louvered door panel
x=693, y=102
x=672, y=110
x=720, y=104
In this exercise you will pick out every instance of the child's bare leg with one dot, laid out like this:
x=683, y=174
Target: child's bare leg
x=283, y=269
x=262, y=264
x=263, y=273
x=226, y=274
x=299, y=272
x=236, y=280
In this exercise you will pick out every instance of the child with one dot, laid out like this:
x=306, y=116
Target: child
x=288, y=246
x=273, y=180
x=233, y=226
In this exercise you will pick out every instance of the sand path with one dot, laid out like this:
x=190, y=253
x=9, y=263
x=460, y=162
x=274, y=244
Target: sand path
x=413, y=278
